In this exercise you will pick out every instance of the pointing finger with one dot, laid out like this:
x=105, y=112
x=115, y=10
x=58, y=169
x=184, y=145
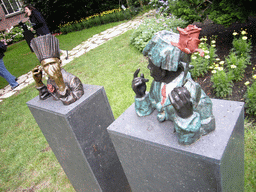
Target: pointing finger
x=136, y=73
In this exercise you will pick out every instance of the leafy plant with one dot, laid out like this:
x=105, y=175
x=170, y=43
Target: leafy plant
x=142, y=35
x=223, y=12
x=222, y=82
x=242, y=46
x=201, y=64
x=12, y=35
x=97, y=19
x=236, y=66
x=250, y=99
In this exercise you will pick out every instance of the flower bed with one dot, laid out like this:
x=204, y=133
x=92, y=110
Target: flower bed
x=98, y=19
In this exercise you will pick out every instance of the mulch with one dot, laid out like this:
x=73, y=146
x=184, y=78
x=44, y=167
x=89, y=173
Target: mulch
x=223, y=46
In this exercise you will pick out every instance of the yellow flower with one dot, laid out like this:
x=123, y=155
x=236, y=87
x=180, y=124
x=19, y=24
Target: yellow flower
x=235, y=33
x=254, y=76
x=233, y=66
x=247, y=83
x=244, y=37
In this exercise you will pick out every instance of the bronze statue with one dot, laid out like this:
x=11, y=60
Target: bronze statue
x=60, y=84
x=173, y=93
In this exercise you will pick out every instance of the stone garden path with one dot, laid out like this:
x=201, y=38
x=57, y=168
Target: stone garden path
x=79, y=50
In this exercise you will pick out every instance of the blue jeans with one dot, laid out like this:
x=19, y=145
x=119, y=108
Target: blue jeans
x=7, y=75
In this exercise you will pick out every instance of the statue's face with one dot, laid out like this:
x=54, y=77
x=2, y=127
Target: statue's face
x=52, y=67
x=156, y=72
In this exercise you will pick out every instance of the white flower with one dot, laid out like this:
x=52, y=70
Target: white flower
x=206, y=51
x=222, y=62
x=213, y=45
x=233, y=66
x=207, y=57
x=193, y=57
x=254, y=76
x=244, y=37
x=213, y=41
x=203, y=39
x=214, y=71
x=217, y=59
x=243, y=32
x=235, y=33
x=247, y=83
x=220, y=68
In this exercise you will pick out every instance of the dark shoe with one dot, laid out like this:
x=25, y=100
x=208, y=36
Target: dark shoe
x=15, y=87
x=16, y=79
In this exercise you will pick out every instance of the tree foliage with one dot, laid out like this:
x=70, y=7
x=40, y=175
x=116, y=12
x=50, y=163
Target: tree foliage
x=223, y=12
x=226, y=12
x=58, y=12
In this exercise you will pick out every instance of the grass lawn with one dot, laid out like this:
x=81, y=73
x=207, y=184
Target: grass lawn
x=19, y=59
x=27, y=162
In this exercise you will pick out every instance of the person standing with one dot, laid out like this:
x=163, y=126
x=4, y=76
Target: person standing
x=37, y=21
x=3, y=71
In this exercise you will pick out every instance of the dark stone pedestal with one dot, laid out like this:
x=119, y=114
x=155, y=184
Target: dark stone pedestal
x=154, y=161
x=77, y=134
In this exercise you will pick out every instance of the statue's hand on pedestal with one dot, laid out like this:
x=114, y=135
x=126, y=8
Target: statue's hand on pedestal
x=139, y=84
x=180, y=99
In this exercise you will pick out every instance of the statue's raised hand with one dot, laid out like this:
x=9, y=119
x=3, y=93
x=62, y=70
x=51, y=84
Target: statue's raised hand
x=139, y=84
x=181, y=101
x=37, y=75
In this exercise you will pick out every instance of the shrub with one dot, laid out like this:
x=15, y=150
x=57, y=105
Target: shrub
x=12, y=35
x=142, y=35
x=97, y=19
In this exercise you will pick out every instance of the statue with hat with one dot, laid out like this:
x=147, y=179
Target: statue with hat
x=61, y=85
x=173, y=93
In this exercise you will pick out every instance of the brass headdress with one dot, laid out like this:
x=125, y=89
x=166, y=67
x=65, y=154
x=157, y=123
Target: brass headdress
x=45, y=47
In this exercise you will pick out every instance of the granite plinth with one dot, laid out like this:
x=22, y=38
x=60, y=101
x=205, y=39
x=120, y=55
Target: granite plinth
x=154, y=161
x=77, y=134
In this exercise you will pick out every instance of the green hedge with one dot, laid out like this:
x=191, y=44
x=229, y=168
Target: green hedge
x=99, y=19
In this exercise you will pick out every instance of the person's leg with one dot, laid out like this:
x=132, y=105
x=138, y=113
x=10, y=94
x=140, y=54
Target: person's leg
x=7, y=75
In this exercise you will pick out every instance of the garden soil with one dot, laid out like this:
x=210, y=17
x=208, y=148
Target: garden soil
x=223, y=46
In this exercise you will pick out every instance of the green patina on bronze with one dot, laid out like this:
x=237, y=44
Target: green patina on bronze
x=184, y=103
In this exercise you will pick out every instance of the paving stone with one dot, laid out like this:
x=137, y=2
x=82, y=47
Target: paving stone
x=6, y=95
